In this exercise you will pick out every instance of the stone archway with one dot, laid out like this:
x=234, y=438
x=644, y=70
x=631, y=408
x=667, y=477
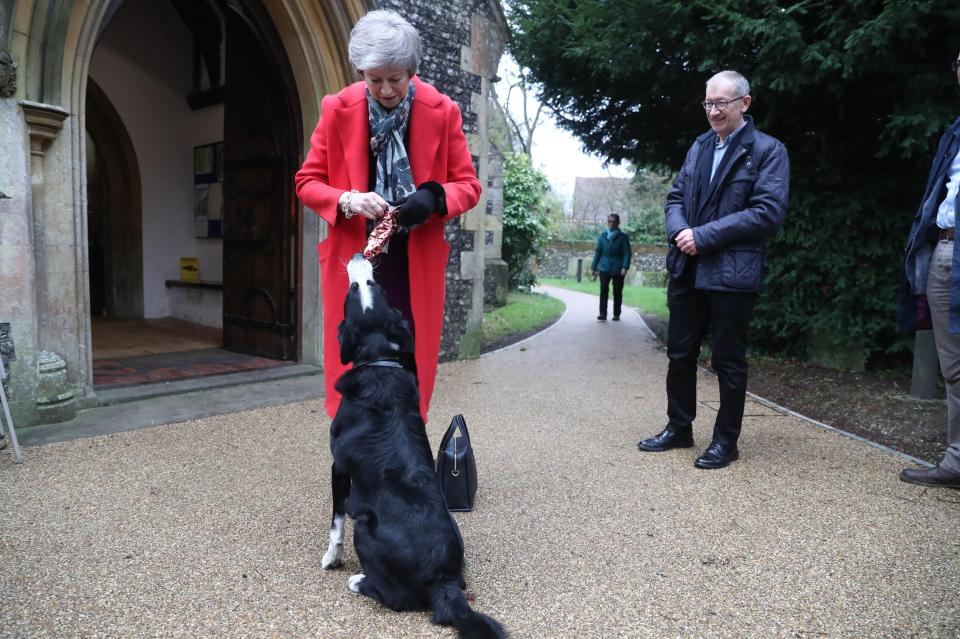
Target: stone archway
x=52, y=42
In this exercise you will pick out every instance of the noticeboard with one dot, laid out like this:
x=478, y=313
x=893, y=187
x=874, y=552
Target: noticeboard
x=208, y=190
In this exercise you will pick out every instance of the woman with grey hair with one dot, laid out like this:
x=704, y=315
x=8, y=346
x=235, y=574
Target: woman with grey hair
x=388, y=140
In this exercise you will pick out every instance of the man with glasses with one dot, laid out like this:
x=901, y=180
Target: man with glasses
x=728, y=199
x=929, y=271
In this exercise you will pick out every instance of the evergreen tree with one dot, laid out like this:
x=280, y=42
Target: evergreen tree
x=858, y=91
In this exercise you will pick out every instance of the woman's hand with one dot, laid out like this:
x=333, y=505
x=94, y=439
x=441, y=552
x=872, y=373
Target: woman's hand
x=369, y=205
x=416, y=208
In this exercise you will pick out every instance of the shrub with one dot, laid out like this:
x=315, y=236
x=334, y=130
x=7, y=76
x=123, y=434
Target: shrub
x=525, y=217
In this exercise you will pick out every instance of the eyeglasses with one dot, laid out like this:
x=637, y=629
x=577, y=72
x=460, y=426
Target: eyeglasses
x=720, y=104
x=955, y=65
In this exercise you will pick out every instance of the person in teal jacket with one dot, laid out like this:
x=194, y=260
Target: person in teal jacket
x=611, y=259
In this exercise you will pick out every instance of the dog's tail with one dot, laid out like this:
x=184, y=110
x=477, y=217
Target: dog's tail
x=450, y=608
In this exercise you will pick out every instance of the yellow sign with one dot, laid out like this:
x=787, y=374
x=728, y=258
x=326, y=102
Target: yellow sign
x=189, y=269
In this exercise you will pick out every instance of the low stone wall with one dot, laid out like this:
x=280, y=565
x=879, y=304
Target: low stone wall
x=555, y=260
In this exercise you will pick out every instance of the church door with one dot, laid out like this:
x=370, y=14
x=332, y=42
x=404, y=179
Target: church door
x=259, y=207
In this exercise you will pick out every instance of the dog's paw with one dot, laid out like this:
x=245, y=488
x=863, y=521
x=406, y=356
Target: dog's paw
x=333, y=558
x=354, y=581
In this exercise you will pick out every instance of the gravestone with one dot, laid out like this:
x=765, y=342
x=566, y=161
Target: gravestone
x=926, y=366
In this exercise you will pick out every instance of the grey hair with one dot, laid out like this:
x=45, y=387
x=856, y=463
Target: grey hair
x=740, y=84
x=384, y=40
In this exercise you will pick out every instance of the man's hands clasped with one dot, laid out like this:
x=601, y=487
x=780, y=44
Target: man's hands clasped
x=685, y=242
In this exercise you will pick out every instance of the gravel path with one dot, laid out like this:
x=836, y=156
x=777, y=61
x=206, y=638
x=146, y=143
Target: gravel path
x=215, y=527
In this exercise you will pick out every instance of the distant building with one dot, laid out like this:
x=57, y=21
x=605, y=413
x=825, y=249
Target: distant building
x=594, y=198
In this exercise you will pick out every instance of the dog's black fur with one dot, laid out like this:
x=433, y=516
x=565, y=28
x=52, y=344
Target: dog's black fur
x=410, y=548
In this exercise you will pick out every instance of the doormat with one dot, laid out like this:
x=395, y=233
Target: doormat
x=171, y=367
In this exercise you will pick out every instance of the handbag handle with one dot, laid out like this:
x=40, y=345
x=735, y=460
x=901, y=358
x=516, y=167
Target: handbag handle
x=462, y=425
x=457, y=422
x=446, y=437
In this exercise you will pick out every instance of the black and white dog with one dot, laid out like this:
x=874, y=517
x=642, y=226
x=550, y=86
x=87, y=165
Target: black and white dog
x=410, y=548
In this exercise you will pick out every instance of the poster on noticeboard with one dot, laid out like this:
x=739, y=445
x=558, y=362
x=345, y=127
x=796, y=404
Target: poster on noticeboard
x=208, y=190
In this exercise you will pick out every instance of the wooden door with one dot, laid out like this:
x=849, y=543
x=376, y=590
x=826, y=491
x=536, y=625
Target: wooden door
x=259, y=206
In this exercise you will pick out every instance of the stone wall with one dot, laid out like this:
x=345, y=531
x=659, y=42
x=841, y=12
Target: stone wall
x=496, y=272
x=462, y=45
x=555, y=258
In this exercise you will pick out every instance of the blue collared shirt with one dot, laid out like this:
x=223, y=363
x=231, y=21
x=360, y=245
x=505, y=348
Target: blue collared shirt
x=721, y=148
x=946, y=214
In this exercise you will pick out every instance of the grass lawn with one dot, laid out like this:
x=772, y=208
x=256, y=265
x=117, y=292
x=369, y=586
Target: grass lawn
x=523, y=313
x=648, y=300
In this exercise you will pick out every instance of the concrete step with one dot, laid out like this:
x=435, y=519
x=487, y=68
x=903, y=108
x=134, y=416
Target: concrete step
x=140, y=392
x=230, y=396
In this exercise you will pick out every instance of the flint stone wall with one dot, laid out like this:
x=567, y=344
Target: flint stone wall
x=556, y=257
x=446, y=29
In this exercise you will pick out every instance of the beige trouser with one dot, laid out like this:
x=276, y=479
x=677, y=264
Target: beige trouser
x=948, y=346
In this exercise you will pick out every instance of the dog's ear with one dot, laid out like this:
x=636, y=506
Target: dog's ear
x=399, y=333
x=348, y=343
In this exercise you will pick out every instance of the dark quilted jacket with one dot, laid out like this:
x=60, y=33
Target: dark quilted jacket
x=731, y=228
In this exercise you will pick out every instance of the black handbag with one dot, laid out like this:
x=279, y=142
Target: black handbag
x=457, y=468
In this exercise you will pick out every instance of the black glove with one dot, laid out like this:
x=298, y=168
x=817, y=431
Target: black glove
x=419, y=205
x=416, y=208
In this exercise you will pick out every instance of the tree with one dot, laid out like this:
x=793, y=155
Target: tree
x=857, y=90
x=525, y=217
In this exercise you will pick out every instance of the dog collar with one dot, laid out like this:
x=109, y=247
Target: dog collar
x=386, y=363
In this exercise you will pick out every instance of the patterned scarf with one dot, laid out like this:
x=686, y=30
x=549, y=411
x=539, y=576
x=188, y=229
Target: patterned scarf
x=387, y=130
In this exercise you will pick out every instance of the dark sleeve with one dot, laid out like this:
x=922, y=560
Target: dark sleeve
x=766, y=209
x=675, y=217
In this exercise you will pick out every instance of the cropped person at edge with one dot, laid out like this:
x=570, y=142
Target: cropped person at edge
x=929, y=273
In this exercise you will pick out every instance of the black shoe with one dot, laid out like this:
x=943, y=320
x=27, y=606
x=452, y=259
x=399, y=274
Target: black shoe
x=616, y=318
x=717, y=455
x=602, y=318
x=936, y=477
x=667, y=439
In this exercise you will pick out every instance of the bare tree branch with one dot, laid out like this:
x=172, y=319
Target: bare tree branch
x=522, y=124
x=518, y=138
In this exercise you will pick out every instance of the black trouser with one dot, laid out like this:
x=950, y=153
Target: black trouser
x=605, y=290
x=727, y=316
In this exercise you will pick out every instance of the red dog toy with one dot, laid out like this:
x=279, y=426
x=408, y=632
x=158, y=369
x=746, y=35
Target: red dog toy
x=381, y=234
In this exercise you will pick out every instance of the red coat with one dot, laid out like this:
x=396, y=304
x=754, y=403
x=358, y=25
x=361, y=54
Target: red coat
x=339, y=160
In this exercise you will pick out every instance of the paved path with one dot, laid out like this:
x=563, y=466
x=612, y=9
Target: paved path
x=215, y=527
